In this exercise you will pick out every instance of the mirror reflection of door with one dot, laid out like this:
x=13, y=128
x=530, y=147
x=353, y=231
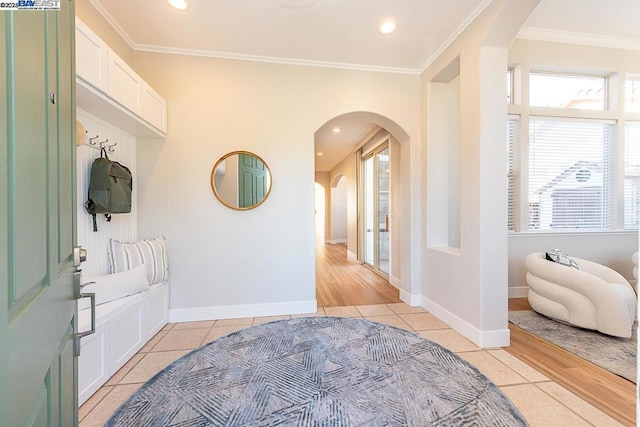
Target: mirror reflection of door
x=241, y=180
x=376, y=186
x=252, y=180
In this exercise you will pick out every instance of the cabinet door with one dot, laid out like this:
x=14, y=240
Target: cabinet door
x=124, y=85
x=94, y=363
x=126, y=335
x=91, y=57
x=154, y=108
x=156, y=308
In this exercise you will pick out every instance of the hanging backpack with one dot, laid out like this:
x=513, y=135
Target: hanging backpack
x=110, y=188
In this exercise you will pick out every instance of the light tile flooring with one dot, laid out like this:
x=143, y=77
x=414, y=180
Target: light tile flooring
x=542, y=401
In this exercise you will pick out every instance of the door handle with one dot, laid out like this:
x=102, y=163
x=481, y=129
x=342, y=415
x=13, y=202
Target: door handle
x=79, y=256
x=78, y=294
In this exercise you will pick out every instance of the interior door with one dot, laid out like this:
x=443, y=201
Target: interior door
x=37, y=218
x=376, y=193
x=252, y=180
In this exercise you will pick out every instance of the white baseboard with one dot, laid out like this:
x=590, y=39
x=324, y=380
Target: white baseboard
x=395, y=282
x=238, y=311
x=337, y=241
x=352, y=255
x=412, y=300
x=483, y=339
x=518, y=291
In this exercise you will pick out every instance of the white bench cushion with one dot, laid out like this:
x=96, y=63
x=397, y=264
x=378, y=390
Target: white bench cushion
x=111, y=287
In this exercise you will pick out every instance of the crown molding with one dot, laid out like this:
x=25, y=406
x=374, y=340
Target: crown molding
x=274, y=60
x=586, y=39
x=114, y=24
x=453, y=36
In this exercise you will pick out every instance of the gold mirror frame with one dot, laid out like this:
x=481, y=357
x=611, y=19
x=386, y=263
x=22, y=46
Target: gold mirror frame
x=221, y=198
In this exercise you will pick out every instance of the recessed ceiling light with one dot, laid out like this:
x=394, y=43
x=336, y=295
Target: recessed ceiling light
x=336, y=130
x=388, y=27
x=178, y=4
x=320, y=154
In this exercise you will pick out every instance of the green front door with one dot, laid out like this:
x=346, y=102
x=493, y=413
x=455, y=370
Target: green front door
x=37, y=218
x=252, y=180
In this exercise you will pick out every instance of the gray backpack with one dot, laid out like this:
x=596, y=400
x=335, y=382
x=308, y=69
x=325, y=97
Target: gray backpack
x=110, y=188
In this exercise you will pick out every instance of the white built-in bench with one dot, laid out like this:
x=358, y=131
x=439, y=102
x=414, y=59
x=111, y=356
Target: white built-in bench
x=123, y=327
x=129, y=311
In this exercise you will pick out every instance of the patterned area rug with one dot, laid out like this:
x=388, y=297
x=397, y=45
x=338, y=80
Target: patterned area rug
x=617, y=355
x=319, y=372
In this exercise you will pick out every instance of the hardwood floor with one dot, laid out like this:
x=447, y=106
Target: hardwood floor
x=340, y=281
x=610, y=393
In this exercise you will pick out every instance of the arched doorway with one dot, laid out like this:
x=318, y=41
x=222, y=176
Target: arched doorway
x=341, y=146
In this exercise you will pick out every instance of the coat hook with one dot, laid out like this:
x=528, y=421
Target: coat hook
x=93, y=139
x=103, y=142
x=111, y=149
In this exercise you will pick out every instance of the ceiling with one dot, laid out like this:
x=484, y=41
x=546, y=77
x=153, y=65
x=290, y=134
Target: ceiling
x=344, y=34
x=325, y=32
x=335, y=146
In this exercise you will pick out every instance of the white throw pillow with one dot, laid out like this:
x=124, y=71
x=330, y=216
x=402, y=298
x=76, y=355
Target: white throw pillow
x=152, y=253
x=111, y=287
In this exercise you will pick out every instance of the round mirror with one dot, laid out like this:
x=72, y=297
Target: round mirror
x=241, y=180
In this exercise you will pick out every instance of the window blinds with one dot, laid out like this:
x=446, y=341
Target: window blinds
x=513, y=131
x=569, y=173
x=631, y=175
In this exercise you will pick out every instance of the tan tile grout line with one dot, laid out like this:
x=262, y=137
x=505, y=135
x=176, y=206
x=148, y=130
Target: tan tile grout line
x=566, y=406
x=97, y=403
x=548, y=381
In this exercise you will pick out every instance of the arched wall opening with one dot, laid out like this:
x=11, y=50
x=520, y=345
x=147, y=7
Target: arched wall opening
x=344, y=196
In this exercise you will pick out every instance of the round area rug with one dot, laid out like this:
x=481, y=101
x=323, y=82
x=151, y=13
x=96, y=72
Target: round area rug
x=321, y=371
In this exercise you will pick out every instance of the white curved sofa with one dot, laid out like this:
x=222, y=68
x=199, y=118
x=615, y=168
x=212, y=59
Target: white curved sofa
x=595, y=297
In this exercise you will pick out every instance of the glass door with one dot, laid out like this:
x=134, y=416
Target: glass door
x=375, y=174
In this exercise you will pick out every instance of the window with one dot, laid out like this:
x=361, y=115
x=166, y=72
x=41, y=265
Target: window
x=567, y=91
x=569, y=173
x=577, y=170
x=631, y=175
x=513, y=131
x=632, y=95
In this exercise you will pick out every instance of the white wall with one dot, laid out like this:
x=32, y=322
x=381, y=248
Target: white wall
x=339, y=211
x=468, y=288
x=443, y=115
x=322, y=178
x=611, y=249
x=347, y=168
x=122, y=227
x=261, y=261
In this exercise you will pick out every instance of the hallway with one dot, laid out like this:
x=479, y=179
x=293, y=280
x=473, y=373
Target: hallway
x=343, y=282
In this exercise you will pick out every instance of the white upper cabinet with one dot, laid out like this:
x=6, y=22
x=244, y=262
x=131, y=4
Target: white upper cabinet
x=91, y=57
x=154, y=107
x=110, y=89
x=123, y=84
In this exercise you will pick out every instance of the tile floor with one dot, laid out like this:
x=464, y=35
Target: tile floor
x=542, y=401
